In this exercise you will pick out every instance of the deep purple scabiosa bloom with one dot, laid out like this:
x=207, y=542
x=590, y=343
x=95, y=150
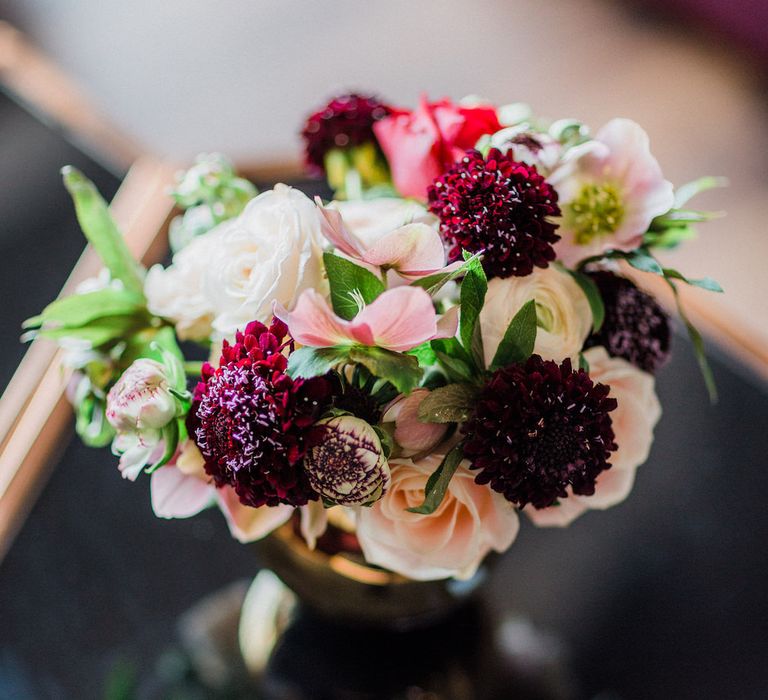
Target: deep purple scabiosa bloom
x=346, y=121
x=497, y=205
x=538, y=429
x=635, y=328
x=253, y=423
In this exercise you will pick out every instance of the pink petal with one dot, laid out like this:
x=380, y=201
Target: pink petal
x=248, y=524
x=412, y=247
x=410, y=433
x=399, y=319
x=314, y=522
x=333, y=228
x=312, y=322
x=177, y=495
x=448, y=323
x=556, y=516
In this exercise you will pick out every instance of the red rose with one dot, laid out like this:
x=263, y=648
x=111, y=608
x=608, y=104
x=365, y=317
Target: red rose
x=421, y=145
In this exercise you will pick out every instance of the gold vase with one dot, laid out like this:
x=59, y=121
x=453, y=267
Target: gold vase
x=343, y=587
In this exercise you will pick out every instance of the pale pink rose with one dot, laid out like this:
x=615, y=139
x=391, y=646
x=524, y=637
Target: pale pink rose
x=610, y=189
x=471, y=521
x=411, y=434
x=182, y=489
x=633, y=421
x=399, y=320
x=421, y=145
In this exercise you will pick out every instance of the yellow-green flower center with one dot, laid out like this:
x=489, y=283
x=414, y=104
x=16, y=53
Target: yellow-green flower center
x=596, y=211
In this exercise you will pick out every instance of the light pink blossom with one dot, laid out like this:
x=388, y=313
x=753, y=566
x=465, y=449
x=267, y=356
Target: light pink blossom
x=399, y=319
x=412, y=435
x=610, y=189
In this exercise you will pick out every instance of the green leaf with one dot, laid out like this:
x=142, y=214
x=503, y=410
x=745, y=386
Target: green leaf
x=686, y=192
x=644, y=262
x=678, y=217
x=474, y=287
x=454, y=359
x=401, y=370
x=99, y=332
x=698, y=345
x=347, y=281
x=704, y=283
x=80, y=309
x=434, y=283
x=91, y=422
x=594, y=298
x=670, y=237
x=449, y=404
x=519, y=338
x=437, y=484
x=101, y=231
x=171, y=440
x=424, y=354
x=314, y=362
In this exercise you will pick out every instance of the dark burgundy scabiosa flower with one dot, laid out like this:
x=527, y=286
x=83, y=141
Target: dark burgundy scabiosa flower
x=538, y=429
x=346, y=121
x=636, y=328
x=253, y=423
x=500, y=206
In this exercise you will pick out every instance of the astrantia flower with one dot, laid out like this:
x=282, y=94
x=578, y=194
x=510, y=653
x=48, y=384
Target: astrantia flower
x=346, y=121
x=347, y=466
x=252, y=422
x=635, y=328
x=500, y=206
x=539, y=431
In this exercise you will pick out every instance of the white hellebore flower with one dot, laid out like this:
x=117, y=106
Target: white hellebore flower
x=232, y=275
x=610, y=190
x=139, y=406
x=348, y=466
x=636, y=414
x=562, y=310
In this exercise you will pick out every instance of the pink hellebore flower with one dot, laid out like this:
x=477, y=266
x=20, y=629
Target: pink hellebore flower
x=399, y=319
x=610, y=190
x=414, y=250
x=183, y=489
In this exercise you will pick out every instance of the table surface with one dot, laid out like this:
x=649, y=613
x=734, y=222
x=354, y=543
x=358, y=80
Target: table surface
x=660, y=597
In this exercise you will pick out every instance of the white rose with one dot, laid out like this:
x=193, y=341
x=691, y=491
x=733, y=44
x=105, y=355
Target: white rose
x=562, y=309
x=370, y=219
x=636, y=414
x=176, y=292
x=271, y=252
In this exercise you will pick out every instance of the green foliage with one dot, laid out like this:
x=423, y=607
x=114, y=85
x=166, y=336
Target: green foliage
x=453, y=359
x=474, y=287
x=434, y=283
x=424, y=354
x=519, y=338
x=102, y=232
x=594, y=298
x=449, y=404
x=350, y=284
x=310, y=362
x=437, y=484
x=400, y=370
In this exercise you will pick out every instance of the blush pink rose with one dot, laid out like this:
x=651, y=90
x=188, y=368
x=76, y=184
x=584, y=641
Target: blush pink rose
x=411, y=434
x=421, y=145
x=471, y=521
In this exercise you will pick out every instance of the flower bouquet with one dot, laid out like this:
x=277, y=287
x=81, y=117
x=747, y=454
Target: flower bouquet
x=452, y=342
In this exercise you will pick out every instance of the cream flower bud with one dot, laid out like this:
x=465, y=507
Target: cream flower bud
x=562, y=309
x=141, y=399
x=348, y=467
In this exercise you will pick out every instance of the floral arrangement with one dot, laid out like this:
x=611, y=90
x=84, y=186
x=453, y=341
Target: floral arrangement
x=455, y=339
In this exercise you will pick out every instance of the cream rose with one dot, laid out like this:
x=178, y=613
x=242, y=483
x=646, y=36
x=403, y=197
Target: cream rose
x=633, y=421
x=471, y=521
x=562, y=309
x=231, y=275
x=370, y=219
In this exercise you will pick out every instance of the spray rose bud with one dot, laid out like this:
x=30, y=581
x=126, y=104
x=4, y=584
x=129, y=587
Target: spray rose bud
x=348, y=466
x=141, y=399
